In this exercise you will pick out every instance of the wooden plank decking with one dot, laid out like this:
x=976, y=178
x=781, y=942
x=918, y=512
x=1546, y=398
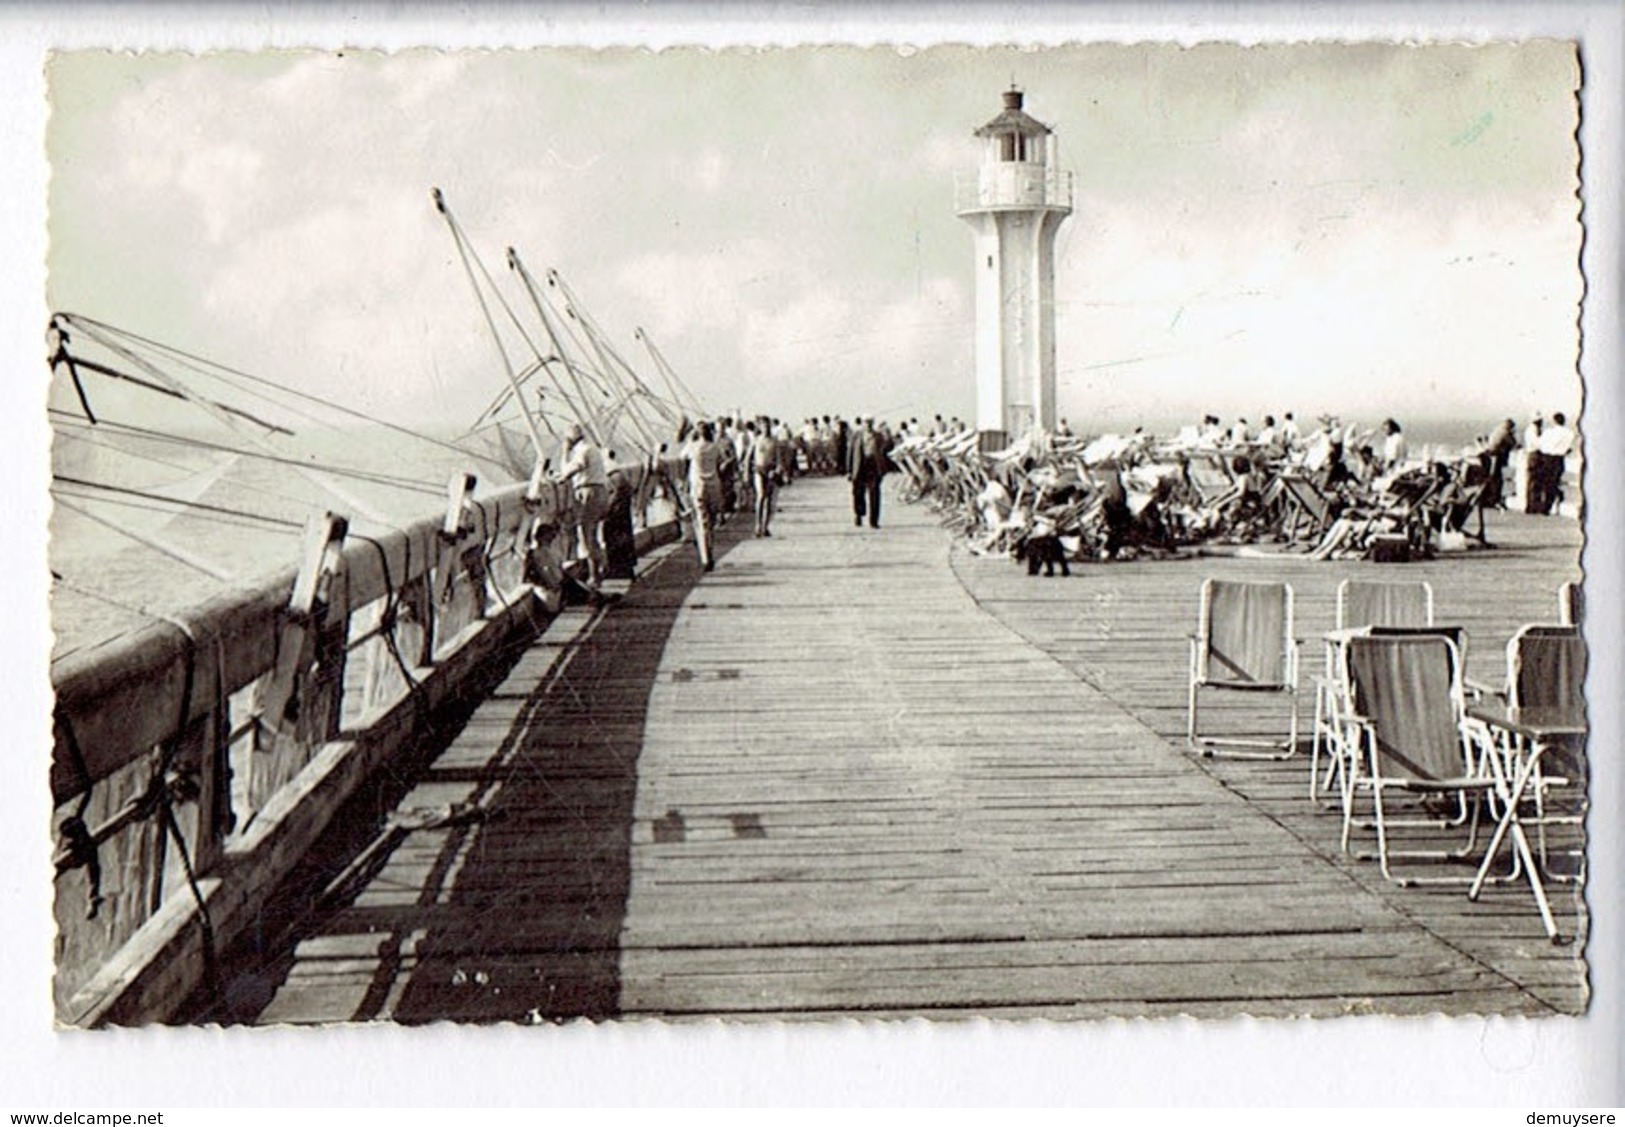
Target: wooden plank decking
x=862, y=772
x=1123, y=629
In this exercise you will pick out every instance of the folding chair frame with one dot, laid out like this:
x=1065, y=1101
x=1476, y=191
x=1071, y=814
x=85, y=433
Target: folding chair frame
x=1363, y=770
x=1304, y=500
x=1211, y=746
x=1327, y=709
x=1540, y=782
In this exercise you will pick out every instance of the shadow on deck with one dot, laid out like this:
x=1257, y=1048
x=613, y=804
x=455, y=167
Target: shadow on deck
x=487, y=878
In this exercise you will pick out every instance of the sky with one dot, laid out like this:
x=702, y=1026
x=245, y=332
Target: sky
x=1368, y=229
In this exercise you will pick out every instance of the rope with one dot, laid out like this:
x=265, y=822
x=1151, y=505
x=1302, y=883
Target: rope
x=211, y=979
x=223, y=369
x=61, y=580
x=80, y=845
x=222, y=416
x=221, y=521
x=77, y=363
x=160, y=782
x=390, y=614
x=100, y=443
x=486, y=561
x=178, y=556
x=98, y=440
x=243, y=514
x=200, y=444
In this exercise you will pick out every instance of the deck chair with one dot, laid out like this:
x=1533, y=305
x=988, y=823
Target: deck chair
x=1571, y=604
x=1405, y=504
x=1546, y=668
x=1453, y=511
x=1367, y=602
x=1209, y=476
x=1360, y=603
x=1308, y=510
x=1407, y=723
x=1344, y=753
x=1244, y=643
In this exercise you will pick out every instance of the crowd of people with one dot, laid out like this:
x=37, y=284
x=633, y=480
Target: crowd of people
x=720, y=468
x=1331, y=488
x=1328, y=489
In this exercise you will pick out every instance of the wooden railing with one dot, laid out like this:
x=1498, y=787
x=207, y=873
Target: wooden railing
x=197, y=758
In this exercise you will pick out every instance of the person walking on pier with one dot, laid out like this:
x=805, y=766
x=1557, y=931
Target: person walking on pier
x=1497, y=453
x=1548, y=461
x=866, y=465
x=765, y=477
x=585, y=472
x=744, y=445
x=704, y=457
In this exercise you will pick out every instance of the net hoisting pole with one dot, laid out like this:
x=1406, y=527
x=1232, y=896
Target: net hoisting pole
x=479, y=295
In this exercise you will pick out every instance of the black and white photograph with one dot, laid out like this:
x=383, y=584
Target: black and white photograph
x=785, y=535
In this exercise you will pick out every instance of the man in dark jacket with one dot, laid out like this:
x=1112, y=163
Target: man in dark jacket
x=866, y=461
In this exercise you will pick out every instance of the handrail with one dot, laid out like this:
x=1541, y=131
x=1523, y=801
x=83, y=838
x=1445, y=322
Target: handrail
x=125, y=696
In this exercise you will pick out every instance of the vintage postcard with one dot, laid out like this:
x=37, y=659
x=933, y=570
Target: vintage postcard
x=796, y=534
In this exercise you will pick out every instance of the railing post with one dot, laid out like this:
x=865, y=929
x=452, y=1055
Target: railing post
x=308, y=669
x=215, y=816
x=452, y=530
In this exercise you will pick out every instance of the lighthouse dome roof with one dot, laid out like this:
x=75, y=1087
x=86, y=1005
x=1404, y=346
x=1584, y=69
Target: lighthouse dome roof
x=1013, y=119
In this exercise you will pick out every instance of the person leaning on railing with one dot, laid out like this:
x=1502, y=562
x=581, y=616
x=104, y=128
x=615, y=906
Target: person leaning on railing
x=584, y=471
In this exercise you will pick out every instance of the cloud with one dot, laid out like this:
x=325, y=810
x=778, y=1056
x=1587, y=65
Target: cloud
x=711, y=169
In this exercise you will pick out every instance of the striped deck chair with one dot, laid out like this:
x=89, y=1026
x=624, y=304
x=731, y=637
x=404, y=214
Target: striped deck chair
x=1244, y=642
x=1209, y=476
x=1406, y=503
x=1408, y=718
x=1360, y=602
x=1308, y=511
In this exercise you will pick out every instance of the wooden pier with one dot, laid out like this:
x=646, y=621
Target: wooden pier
x=864, y=772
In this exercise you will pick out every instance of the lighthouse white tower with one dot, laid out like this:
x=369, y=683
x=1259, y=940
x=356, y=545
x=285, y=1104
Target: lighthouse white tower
x=1015, y=205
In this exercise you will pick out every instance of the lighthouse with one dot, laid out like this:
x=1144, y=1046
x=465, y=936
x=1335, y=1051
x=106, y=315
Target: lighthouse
x=1015, y=204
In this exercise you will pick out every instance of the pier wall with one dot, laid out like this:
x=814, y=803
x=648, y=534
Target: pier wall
x=196, y=759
